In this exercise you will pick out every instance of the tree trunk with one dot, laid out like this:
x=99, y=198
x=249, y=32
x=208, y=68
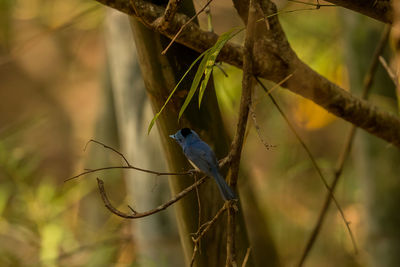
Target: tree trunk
x=160, y=74
x=156, y=237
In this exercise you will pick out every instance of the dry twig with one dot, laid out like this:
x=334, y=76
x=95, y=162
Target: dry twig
x=347, y=146
x=317, y=5
x=389, y=71
x=203, y=229
x=129, y=166
x=136, y=214
x=184, y=25
x=107, y=147
x=253, y=113
x=314, y=163
x=246, y=257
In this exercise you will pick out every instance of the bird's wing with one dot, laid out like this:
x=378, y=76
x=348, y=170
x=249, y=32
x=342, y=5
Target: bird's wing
x=202, y=156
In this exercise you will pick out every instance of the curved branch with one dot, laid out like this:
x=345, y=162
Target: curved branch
x=274, y=61
x=128, y=165
x=136, y=215
x=108, y=147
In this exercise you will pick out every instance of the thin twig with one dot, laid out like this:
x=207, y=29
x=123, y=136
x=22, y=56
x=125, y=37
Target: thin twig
x=184, y=26
x=128, y=167
x=210, y=223
x=317, y=5
x=198, y=203
x=284, y=12
x=269, y=91
x=389, y=70
x=394, y=77
x=258, y=130
x=107, y=147
x=136, y=214
x=265, y=18
x=254, y=117
x=203, y=229
x=218, y=65
x=246, y=257
x=314, y=163
x=193, y=256
x=347, y=146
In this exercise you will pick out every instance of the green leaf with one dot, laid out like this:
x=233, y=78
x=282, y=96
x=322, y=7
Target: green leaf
x=209, y=56
x=173, y=91
x=195, y=82
x=212, y=56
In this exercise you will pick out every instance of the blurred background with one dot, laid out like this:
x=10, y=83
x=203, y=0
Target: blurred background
x=62, y=64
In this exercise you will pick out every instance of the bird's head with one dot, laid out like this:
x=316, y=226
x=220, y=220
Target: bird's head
x=184, y=135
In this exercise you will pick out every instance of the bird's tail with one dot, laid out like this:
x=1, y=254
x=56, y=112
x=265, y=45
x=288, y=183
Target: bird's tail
x=224, y=188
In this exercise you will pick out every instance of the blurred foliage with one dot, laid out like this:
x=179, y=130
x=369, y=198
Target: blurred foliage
x=50, y=57
x=41, y=218
x=316, y=38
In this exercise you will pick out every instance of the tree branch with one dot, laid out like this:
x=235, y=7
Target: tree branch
x=378, y=9
x=274, y=61
x=389, y=71
x=184, y=25
x=131, y=168
x=134, y=214
x=128, y=165
x=169, y=13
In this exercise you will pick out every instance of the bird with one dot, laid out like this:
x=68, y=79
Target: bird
x=201, y=156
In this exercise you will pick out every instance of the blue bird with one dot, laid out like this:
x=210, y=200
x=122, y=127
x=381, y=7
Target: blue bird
x=201, y=156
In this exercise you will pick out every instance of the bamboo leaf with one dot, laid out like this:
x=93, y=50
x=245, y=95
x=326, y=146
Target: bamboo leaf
x=215, y=50
x=209, y=56
x=195, y=83
x=173, y=91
